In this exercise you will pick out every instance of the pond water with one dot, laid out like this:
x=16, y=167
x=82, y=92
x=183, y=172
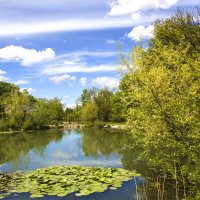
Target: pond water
x=87, y=147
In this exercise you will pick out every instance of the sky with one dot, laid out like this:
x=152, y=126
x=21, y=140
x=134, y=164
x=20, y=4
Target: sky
x=58, y=48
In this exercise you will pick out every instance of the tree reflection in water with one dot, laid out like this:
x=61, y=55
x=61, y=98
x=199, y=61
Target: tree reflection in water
x=15, y=148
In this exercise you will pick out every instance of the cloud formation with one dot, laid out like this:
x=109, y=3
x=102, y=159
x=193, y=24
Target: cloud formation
x=30, y=90
x=66, y=25
x=83, y=81
x=77, y=62
x=61, y=78
x=111, y=42
x=141, y=32
x=76, y=15
x=75, y=68
x=4, y=78
x=125, y=7
x=2, y=72
x=26, y=57
x=59, y=154
x=21, y=82
x=106, y=82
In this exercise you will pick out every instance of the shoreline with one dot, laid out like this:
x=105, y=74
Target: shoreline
x=66, y=125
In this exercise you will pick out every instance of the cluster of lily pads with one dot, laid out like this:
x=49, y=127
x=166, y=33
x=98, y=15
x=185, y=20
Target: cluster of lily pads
x=64, y=180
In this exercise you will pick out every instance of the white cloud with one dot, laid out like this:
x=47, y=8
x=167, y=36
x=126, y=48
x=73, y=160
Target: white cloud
x=140, y=32
x=66, y=96
x=30, y=90
x=83, y=81
x=67, y=25
x=71, y=106
x=4, y=78
x=2, y=72
x=76, y=62
x=61, y=78
x=21, y=82
x=136, y=16
x=27, y=57
x=124, y=7
x=92, y=53
x=59, y=154
x=107, y=82
x=75, y=68
x=110, y=42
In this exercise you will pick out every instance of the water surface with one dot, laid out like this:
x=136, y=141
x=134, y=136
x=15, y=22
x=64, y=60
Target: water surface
x=87, y=147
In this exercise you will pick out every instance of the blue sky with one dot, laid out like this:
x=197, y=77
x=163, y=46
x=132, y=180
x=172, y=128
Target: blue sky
x=58, y=48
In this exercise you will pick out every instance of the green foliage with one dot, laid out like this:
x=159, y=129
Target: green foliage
x=40, y=113
x=20, y=110
x=17, y=108
x=5, y=90
x=161, y=95
x=117, y=108
x=68, y=115
x=89, y=112
x=55, y=111
x=103, y=101
x=108, y=105
x=88, y=95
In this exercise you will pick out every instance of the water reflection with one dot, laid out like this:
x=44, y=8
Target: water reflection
x=17, y=148
x=28, y=151
x=87, y=147
x=104, y=147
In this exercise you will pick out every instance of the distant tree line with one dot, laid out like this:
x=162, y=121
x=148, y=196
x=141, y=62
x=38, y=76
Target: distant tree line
x=20, y=110
x=96, y=106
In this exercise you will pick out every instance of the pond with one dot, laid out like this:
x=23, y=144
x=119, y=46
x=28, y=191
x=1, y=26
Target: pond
x=87, y=147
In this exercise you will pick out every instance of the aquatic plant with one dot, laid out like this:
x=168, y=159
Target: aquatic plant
x=64, y=180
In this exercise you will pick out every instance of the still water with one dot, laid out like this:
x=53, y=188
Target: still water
x=87, y=147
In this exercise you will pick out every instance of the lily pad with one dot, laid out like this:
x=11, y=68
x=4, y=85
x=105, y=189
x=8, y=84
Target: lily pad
x=63, y=180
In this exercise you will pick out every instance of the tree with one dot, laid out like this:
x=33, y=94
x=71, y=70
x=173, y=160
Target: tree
x=162, y=86
x=40, y=113
x=161, y=95
x=5, y=90
x=18, y=107
x=89, y=112
x=68, y=114
x=88, y=95
x=117, y=108
x=55, y=110
x=103, y=102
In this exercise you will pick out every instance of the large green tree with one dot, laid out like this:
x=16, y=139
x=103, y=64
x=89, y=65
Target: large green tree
x=103, y=101
x=40, y=113
x=117, y=108
x=88, y=95
x=161, y=93
x=18, y=107
x=55, y=110
x=89, y=112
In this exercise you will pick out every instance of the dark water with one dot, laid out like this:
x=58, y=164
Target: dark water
x=88, y=147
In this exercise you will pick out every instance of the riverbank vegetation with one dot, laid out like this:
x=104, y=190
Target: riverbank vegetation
x=160, y=89
x=20, y=110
